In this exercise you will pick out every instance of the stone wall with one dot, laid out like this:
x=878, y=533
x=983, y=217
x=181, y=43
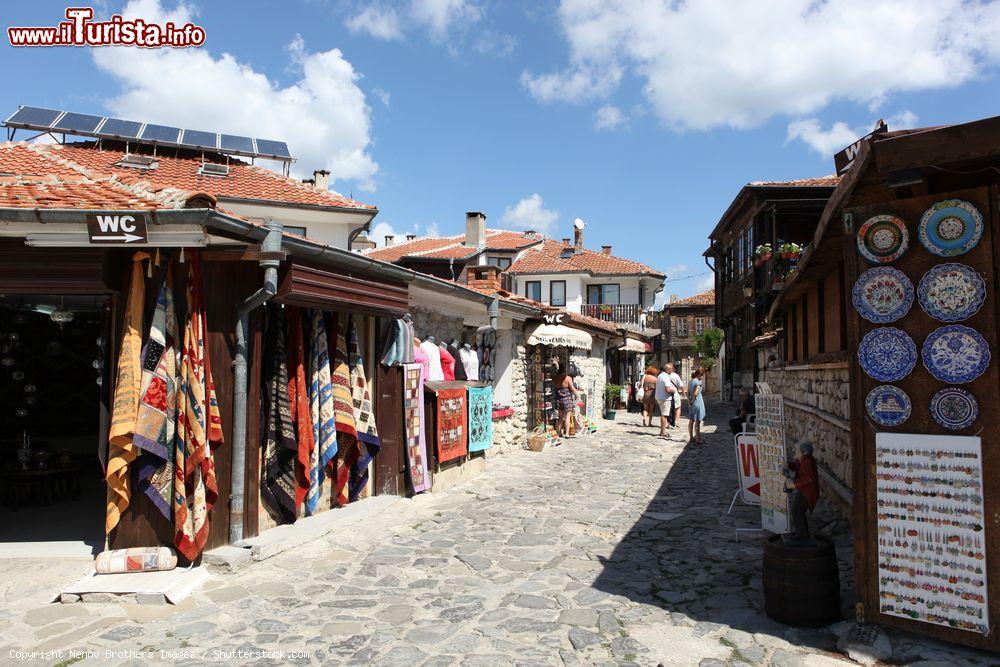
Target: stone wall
x=817, y=407
x=430, y=322
x=593, y=375
x=512, y=433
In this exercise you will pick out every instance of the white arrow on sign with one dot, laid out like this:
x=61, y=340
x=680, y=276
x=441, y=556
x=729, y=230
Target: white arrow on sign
x=127, y=238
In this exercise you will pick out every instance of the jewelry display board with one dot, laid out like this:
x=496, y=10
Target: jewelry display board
x=770, y=431
x=931, y=541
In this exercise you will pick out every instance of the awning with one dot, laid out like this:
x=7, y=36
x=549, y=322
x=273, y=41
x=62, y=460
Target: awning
x=560, y=336
x=633, y=345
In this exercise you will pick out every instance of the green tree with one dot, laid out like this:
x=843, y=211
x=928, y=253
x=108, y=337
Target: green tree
x=707, y=344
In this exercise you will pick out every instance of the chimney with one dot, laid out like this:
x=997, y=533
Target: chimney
x=529, y=233
x=605, y=250
x=484, y=277
x=388, y=240
x=475, y=229
x=577, y=239
x=322, y=179
x=673, y=297
x=362, y=242
x=410, y=237
x=566, y=241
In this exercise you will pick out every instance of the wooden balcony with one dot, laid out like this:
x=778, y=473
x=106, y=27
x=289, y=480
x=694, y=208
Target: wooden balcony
x=622, y=313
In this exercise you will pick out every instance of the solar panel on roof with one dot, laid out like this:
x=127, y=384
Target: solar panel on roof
x=161, y=133
x=273, y=148
x=199, y=139
x=116, y=127
x=79, y=122
x=34, y=116
x=232, y=142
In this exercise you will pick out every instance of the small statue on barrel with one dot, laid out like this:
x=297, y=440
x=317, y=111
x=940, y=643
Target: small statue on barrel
x=802, y=485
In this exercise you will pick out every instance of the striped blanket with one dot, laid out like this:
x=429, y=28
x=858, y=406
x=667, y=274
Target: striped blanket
x=320, y=409
x=364, y=417
x=298, y=399
x=278, y=483
x=343, y=408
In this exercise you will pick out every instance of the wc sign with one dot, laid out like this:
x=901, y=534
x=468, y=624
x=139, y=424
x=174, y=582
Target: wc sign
x=748, y=468
x=117, y=229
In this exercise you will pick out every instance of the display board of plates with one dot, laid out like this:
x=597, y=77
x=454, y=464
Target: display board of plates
x=956, y=354
x=882, y=294
x=951, y=227
x=887, y=354
x=951, y=292
x=888, y=405
x=954, y=408
x=883, y=239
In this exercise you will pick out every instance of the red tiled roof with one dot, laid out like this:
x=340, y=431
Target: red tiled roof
x=546, y=259
x=448, y=247
x=244, y=182
x=830, y=181
x=508, y=296
x=20, y=192
x=592, y=322
x=703, y=299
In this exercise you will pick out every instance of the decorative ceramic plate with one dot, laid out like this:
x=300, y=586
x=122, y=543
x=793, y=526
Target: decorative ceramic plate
x=956, y=354
x=951, y=292
x=883, y=239
x=887, y=354
x=888, y=405
x=951, y=227
x=954, y=408
x=883, y=294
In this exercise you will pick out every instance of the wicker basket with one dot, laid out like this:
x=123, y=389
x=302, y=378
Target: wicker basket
x=537, y=439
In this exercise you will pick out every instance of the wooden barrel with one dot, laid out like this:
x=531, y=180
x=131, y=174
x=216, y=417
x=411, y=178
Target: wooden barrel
x=801, y=584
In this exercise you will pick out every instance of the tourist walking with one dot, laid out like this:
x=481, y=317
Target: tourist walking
x=665, y=391
x=675, y=380
x=566, y=393
x=696, y=407
x=648, y=386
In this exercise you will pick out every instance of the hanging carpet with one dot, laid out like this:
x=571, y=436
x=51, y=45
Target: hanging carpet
x=298, y=399
x=320, y=408
x=343, y=408
x=452, y=424
x=480, y=418
x=413, y=417
x=369, y=443
x=278, y=483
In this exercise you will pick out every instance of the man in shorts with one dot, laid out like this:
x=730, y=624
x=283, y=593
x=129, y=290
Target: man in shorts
x=678, y=385
x=665, y=389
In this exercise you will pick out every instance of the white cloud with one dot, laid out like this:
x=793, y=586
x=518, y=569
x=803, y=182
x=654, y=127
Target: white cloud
x=377, y=21
x=676, y=270
x=705, y=283
x=438, y=16
x=826, y=142
x=323, y=115
x=710, y=63
x=382, y=229
x=382, y=95
x=530, y=213
x=608, y=117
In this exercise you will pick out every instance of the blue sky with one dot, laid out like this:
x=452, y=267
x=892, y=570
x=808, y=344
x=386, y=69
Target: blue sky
x=644, y=118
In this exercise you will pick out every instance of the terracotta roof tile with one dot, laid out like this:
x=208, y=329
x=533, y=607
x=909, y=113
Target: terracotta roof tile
x=547, y=259
x=830, y=181
x=508, y=296
x=447, y=247
x=244, y=182
x=703, y=299
x=19, y=192
x=593, y=322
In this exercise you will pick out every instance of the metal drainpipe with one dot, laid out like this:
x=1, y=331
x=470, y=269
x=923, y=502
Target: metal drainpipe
x=271, y=243
x=494, y=312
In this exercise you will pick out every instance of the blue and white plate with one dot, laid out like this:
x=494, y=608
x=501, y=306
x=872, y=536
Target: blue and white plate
x=887, y=354
x=954, y=408
x=888, y=405
x=882, y=294
x=951, y=292
x=956, y=354
x=951, y=227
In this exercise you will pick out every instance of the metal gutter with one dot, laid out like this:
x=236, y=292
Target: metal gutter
x=311, y=207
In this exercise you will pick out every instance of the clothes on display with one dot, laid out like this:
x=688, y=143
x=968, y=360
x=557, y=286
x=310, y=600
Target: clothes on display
x=456, y=354
x=434, y=358
x=398, y=348
x=420, y=357
x=447, y=363
x=470, y=362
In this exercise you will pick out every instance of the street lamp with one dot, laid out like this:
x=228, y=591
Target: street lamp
x=747, y=290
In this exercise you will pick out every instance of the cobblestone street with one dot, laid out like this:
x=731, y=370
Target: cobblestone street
x=610, y=549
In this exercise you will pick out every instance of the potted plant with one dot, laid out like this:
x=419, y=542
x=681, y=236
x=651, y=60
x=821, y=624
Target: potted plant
x=605, y=308
x=762, y=254
x=790, y=250
x=612, y=399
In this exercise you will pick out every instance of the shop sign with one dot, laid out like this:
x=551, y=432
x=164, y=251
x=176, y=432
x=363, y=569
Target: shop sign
x=748, y=468
x=117, y=229
x=772, y=460
x=843, y=159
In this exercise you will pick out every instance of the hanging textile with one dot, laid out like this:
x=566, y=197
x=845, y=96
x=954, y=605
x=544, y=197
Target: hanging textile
x=298, y=397
x=447, y=364
x=369, y=443
x=125, y=406
x=320, y=408
x=456, y=355
x=199, y=429
x=278, y=484
x=420, y=357
x=398, y=347
x=434, y=359
x=155, y=424
x=413, y=416
x=452, y=424
x=480, y=418
x=343, y=409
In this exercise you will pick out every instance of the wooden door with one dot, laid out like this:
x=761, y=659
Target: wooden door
x=920, y=386
x=390, y=464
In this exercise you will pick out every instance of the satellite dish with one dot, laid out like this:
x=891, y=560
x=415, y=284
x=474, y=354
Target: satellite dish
x=579, y=223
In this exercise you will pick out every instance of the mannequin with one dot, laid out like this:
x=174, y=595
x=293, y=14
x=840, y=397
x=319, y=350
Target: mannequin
x=455, y=351
x=470, y=361
x=447, y=362
x=420, y=357
x=430, y=348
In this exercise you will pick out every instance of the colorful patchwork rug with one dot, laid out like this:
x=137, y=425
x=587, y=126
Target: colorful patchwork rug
x=343, y=409
x=155, y=424
x=480, y=418
x=369, y=443
x=452, y=424
x=278, y=483
x=298, y=399
x=413, y=416
x=320, y=408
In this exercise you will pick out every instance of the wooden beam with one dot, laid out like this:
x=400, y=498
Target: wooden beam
x=941, y=146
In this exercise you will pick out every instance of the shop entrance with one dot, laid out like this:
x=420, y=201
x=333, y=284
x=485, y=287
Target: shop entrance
x=52, y=377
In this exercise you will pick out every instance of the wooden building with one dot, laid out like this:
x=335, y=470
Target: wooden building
x=918, y=214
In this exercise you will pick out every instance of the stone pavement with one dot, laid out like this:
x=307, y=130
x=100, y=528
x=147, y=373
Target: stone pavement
x=613, y=548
